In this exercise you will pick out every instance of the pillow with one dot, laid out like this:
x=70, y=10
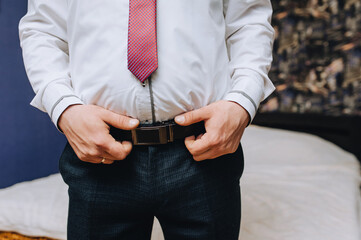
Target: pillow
x=35, y=208
x=298, y=186
x=295, y=186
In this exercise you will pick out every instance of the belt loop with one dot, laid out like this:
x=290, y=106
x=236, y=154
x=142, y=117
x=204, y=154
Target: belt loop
x=162, y=133
x=171, y=133
x=134, y=136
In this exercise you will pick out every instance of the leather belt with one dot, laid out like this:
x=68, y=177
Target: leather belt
x=157, y=133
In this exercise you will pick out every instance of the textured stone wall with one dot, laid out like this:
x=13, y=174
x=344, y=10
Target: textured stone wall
x=317, y=57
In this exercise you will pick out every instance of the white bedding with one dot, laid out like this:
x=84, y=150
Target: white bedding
x=295, y=187
x=299, y=187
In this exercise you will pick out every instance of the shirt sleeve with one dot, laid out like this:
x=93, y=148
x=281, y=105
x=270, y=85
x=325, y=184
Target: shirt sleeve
x=43, y=38
x=249, y=38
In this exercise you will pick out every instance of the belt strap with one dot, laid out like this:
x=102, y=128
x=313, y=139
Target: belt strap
x=158, y=133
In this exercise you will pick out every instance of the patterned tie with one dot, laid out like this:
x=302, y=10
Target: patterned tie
x=142, y=39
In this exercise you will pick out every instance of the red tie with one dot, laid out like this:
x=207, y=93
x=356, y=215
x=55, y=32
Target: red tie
x=142, y=39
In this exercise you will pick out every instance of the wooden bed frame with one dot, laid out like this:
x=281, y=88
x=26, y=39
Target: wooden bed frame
x=16, y=236
x=344, y=131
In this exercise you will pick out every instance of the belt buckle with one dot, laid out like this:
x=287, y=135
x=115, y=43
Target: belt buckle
x=162, y=133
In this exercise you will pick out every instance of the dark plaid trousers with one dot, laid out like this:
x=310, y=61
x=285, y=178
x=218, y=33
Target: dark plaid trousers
x=192, y=200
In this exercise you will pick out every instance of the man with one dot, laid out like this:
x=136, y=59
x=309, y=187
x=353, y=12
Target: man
x=101, y=69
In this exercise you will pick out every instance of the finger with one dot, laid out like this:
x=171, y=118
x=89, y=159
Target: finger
x=192, y=138
x=81, y=156
x=104, y=160
x=118, y=150
x=98, y=157
x=192, y=116
x=210, y=154
x=197, y=146
x=107, y=162
x=106, y=156
x=111, y=149
x=199, y=136
x=119, y=121
x=108, y=159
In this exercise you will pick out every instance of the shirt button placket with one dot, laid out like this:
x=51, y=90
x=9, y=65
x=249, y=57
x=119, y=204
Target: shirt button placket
x=143, y=103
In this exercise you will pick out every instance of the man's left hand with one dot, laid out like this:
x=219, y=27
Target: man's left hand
x=224, y=122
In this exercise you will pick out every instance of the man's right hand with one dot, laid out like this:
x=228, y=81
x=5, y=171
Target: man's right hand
x=87, y=130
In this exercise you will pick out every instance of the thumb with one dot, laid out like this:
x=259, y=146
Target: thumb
x=191, y=117
x=119, y=121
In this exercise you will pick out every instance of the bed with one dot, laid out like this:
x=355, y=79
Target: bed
x=295, y=186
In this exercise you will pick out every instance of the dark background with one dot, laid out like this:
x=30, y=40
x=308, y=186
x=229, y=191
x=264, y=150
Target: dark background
x=317, y=71
x=316, y=58
x=28, y=138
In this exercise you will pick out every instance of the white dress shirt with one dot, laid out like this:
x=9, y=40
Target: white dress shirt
x=75, y=52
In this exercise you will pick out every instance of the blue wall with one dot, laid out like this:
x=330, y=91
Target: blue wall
x=30, y=145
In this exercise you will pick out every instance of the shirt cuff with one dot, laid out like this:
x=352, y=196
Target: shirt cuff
x=248, y=91
x=57, y=97
x=245, y=101
x=63, y=104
